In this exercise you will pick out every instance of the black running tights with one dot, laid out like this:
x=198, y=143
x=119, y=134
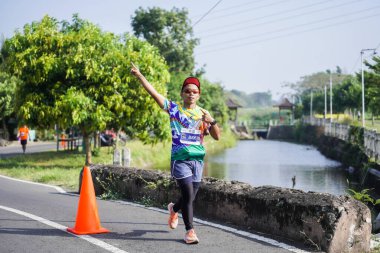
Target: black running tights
x=185, y=202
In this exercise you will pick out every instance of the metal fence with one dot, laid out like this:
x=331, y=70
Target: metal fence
x=341, y=131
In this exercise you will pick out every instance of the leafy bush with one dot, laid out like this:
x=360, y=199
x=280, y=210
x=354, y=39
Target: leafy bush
x=347, y=120
x=356, y=136
x=364, y=197
x=96, y=152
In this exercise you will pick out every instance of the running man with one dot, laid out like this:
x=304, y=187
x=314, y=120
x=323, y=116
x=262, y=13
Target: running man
x=23, y=135
x=189, y=124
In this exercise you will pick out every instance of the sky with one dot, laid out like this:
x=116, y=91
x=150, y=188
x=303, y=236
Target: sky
x=251, y=46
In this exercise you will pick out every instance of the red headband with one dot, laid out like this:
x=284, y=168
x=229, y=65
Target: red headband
x=192, y=80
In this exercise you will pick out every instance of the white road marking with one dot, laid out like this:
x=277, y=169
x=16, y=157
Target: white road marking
x=253, y=236
x=55, y=225
x=57, y=188
x=225, y=228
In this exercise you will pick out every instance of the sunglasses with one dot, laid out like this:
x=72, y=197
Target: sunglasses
x=191, y=91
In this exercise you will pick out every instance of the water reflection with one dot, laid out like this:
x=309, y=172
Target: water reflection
x=276, y=163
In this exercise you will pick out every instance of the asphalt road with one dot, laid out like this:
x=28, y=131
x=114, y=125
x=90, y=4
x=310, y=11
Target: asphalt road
x=15, y=148
x=34, y=218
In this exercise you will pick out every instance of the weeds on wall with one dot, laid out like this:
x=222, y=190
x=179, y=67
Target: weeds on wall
x=364, y=197
x=146, y=201
x=110, y=187
x=310, y=243
x=356, y=136
x=165, y=183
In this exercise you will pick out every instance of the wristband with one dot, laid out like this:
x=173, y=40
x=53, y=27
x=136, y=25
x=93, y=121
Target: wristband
x=213, y=123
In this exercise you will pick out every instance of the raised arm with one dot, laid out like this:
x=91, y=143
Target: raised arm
x=148, y=87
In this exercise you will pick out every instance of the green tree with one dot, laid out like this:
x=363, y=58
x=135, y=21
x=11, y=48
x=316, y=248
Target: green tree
x=175, y=85
x=137, y=113
x=347, y=95
x=213, y=99
x=171, y=33
x=7, y=101
x=372, y=85
x=318, y=101
x=317, y=82
x=74, y=74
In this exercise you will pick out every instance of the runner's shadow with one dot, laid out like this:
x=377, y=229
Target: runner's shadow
x=138, y=232
x=133, y=234
x=138, y=235
x=33, y=231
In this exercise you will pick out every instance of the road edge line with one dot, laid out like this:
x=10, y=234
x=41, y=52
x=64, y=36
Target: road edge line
x=57, y=188
x=58, y=226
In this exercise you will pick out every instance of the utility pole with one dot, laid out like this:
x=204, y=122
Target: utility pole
x=330, y=96
x=361, y=58
x=325, y=102
x=311, y=105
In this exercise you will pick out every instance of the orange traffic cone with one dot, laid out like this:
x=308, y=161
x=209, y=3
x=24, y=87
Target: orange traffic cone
x=87, y=221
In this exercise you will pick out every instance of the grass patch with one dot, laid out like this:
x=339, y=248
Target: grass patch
x=370, y=123
x=63, y=168
x=56, y=168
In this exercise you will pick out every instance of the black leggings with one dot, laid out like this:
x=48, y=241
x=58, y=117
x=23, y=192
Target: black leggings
x=185, y=202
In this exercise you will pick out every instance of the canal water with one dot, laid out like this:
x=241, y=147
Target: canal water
x=265, y=162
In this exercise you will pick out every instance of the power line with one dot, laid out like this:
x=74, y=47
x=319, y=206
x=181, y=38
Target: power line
x=258, y=18
x=199, y=20
x=238, y=6
x=281, y=19
x=377, y=47
x=356, y=63
x=232, y=7
x=358, y=59
x=289, y=34
x=247, y=10
x=293, y=27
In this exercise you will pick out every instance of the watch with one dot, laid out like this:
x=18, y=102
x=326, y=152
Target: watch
x=213, y=123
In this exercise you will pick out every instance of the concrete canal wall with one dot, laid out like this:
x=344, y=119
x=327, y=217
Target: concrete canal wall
x=344, y=144
x=349, y=154
x=320, y=221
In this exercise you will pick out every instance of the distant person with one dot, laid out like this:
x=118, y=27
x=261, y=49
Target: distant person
x=294, y=181
x=106, y=139
x=63, y=140
x=359, y=114
x=189, y=124
x=23, y=136
x=111, y=133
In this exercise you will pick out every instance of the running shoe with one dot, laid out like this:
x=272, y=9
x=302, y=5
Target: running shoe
x=173, y=218
x=191, y=237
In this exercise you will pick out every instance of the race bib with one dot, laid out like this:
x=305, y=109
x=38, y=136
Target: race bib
x=190, y=136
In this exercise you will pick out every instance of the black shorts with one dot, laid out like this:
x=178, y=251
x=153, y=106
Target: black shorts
x=24, y=142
